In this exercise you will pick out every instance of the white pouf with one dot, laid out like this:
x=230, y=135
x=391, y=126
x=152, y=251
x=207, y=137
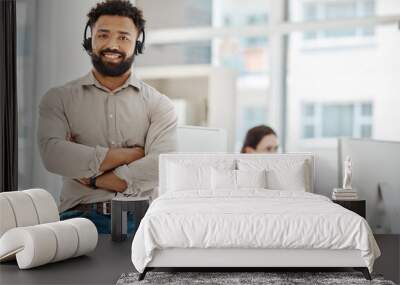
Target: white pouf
x=31, y=231
x=40, y=244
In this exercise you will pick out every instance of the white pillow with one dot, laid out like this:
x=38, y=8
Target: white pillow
x=223, y=179
x=251, y=178
x=236, y=179
x=282, y=174
x=184, y=177
x=291, y=178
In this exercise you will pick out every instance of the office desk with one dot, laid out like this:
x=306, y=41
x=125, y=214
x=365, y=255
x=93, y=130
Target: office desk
x=104, y=265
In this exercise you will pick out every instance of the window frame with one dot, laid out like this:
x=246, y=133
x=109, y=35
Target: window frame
x=316, y=120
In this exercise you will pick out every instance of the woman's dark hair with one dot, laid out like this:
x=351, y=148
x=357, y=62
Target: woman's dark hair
x=255, y=135
x=117, y=8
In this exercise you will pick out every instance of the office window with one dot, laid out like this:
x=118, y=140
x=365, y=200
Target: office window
x=198, y=54
x=227, y=21
x=257, y=19
x=332, y=120
x=340, y=10
x=235, y=13
x=337, y=120
x=256, y=41
x=366, y=131
x=334, y=10
x=321, y=10
x=308, y=131
x=247, y=55
x=310, y=13
x=176, y=13
x=308, y=120
x=176, y=54
x=250, y=63
x=309, y=110
x=366, y=109
x=252, y=116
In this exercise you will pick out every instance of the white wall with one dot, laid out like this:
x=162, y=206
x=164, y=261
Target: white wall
x=59, y=58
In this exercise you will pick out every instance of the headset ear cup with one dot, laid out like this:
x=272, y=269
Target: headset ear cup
x=136, y=52
x=138, y=47
x=87, y=45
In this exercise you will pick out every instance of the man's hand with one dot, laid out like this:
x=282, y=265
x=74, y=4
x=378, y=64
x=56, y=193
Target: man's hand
x=111, y=182
x=70, y=137
x=84, y=181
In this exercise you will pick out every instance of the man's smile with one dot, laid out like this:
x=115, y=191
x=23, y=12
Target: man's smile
x=111, y=56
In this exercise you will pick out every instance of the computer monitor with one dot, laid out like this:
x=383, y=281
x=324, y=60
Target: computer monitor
x=376, y=176
x=201, y=139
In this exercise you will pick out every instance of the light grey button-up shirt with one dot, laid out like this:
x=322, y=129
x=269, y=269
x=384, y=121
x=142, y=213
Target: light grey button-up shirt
x=100, y=119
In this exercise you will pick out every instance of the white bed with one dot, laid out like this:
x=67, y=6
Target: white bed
x=194, y=223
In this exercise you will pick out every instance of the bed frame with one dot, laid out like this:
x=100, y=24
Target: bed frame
x=248, y=259
x=260, y=259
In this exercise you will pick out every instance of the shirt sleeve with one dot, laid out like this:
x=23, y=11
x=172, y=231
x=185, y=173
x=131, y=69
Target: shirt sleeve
x=142, y=175
x=59, y=155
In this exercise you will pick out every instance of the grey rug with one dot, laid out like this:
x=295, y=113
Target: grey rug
x=228, y=278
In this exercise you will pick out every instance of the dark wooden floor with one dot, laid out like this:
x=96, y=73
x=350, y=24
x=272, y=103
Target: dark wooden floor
x=102, y=266
x=389, y=262
x=106, y=264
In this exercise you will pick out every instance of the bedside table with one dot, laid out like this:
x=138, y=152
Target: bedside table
x=357, y=206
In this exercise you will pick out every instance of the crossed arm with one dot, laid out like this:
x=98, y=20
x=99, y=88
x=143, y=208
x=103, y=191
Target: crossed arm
x=113, y=159
x=121, y=169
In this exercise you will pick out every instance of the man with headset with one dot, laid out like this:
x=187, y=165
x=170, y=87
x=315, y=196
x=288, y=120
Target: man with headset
x=103, y=132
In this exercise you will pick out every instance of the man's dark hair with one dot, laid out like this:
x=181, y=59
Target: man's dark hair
x=117, y=8
x=255, y=135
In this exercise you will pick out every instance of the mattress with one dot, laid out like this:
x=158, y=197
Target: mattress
x=250, y=219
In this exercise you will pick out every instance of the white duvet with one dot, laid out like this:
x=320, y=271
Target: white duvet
x=252, y=218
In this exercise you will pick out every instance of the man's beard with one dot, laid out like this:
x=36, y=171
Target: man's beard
x=109, y=69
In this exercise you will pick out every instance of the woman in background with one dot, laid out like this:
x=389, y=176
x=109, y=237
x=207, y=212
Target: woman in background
x=260, y=139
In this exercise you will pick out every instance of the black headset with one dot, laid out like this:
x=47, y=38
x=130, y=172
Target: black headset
x=87, y=42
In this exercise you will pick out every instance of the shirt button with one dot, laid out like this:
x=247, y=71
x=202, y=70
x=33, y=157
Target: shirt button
x=112, y=142
x=110, y=116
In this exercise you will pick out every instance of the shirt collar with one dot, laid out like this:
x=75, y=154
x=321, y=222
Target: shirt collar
x=89, y=79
